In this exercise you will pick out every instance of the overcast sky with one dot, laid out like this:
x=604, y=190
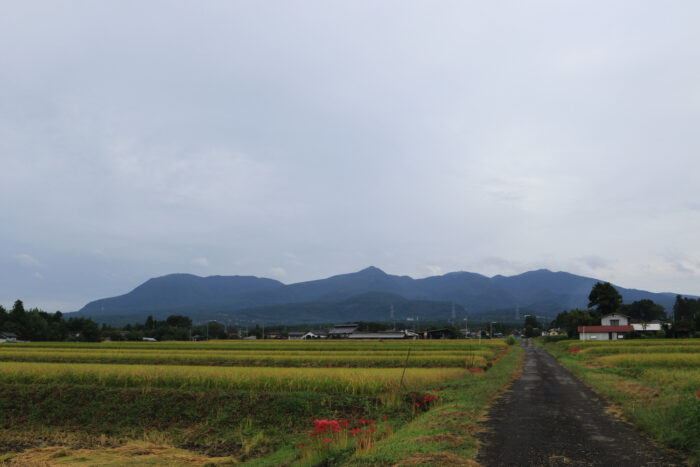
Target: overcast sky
x=301, y=139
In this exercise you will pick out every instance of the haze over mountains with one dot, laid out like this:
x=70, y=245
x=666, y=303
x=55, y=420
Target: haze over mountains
x=365, y=295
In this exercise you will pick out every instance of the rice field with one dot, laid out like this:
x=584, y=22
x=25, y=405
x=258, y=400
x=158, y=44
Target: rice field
x=245, y=399
x=237, y=357
x=270, y=379
x=342, y=366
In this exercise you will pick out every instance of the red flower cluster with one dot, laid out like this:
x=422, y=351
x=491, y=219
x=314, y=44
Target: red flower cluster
x=331, y=427
x=323, y=426
x=426, y=399
x=575, y=350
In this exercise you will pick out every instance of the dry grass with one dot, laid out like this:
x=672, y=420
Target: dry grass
x=450, y=439
x=132, y=453
x=438, y=459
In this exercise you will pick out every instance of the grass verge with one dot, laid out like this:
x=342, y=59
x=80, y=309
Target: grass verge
x=444, y=435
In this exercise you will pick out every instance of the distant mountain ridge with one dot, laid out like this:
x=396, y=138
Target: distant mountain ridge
x=247, y=297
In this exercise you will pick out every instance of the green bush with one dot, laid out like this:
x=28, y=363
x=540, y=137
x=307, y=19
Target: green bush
x=549, y=339
x=510, y=340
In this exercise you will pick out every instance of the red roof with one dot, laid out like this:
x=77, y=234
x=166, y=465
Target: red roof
x=605, y=328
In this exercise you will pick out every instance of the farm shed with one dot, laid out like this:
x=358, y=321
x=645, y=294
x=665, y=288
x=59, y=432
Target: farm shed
x=384, y=335
x=654, y=326
x=343, y=330
x=295, y=335
x=437, y=334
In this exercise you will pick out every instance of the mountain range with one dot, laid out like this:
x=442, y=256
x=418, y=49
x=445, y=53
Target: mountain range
x=366, y=295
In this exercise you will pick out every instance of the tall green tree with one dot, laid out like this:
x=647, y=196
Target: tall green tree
x=644, y=310
x=571, y=320
x=686, y=313
x=4, y=316
x=605, y=298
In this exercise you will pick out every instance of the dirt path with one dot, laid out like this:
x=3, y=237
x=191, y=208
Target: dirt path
x=550, y=418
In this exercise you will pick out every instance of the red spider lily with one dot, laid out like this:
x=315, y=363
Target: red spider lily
x=372, y=428
x=576, y=350
x=373, y=421
x=328, y=440
x=301, y=445
x=429, y=397
x=417, y=404
x=326, y=425
x=385, y=417
x=362, y=420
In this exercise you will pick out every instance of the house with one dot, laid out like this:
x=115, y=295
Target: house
x=612, y=327
x=554, y=332
x=437, y=334
x=295, y=335
x=343, y=330
x=405, y=334
x=8, y=337
x=315, y=335
x=273, y=335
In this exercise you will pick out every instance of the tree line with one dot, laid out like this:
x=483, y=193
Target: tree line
x=604, y=299
x=37, y=325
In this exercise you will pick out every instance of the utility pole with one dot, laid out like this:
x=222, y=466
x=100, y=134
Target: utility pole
x=391, y=315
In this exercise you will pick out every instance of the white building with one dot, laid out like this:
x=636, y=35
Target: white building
x=612, y=327
x=647, y=327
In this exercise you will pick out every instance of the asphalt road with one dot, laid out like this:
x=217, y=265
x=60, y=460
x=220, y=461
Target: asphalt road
x=550, y=418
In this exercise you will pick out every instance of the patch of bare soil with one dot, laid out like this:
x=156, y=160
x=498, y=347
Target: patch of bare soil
x=451, y=440
x=438, y=459
x=460, y=427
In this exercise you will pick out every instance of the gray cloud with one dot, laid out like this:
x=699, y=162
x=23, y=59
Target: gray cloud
x=319, y=138
x=27, y=261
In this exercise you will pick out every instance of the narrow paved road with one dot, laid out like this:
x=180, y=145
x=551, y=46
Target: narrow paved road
x=550, y=418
